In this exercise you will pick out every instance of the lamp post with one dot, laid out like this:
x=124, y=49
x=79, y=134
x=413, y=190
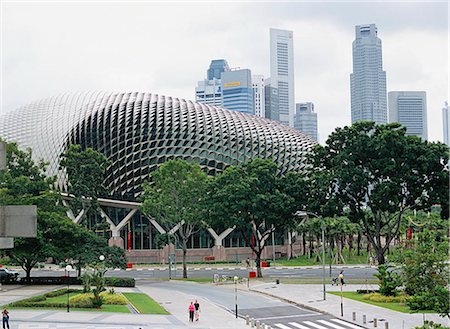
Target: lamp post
x=235, y=294
x=322, y=227
x=68, y=269
x=101, y=257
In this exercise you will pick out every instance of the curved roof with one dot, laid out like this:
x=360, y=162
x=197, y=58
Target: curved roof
x=137, y=131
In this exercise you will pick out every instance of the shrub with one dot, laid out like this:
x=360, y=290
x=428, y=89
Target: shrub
x=86, y=300
x=431, y=325
x=120, y=282
x=436, y=300
x=376, y=297
x=86, y=279
x=389, y=280
x=59, y=292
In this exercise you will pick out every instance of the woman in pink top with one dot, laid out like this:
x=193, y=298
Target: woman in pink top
x=191, y=310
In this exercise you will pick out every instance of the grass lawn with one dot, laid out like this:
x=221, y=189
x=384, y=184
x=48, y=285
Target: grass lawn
x=350, y=258
x=198, y=280
x=144, y=304
x=392, y=306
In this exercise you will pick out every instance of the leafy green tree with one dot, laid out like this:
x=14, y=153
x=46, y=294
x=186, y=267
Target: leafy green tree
x=85, y=171
x=24, y=183
x=249, y=197
x=378, y=167
x=175, y=197
x=425, y=272
x=389, y=280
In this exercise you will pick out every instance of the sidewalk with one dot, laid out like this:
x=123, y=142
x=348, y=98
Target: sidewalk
x=176, y=303
x=311, y=296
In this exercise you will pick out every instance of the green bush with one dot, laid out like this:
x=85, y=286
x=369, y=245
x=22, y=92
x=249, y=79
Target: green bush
x=86, y=300
x=59, y=292
x=431, y=325
x=376, y=297
x=436, y=300
x=389, y=280
x=120, y=282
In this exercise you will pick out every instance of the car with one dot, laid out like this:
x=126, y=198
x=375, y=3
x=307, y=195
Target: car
x=8, y=275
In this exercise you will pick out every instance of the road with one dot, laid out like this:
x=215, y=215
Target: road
x=276, y=313
x=353, y=272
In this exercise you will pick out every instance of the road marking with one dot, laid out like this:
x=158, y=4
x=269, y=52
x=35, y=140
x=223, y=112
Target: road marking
x=330, y=324
x=346, y=324
x=282, y=326
x=298, y=325
x=315, y=325
x=286, y=316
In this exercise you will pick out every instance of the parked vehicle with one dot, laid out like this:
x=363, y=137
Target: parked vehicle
x=8, y=275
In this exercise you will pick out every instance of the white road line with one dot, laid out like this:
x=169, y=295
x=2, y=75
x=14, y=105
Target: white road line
x=298, y=325
x=282, y=326
x=328, y=323
x=286, y=316
x=315, y=325
x=349, y=325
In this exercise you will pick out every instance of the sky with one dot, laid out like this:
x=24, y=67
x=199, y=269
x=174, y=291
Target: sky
x=52, y=47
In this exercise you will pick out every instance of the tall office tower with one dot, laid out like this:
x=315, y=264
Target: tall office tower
x=305, y=119
x=209, y=91
x=237, y=93
x=410, y=109
x=216, y=68
x=282, y=72
x=446, y=124
x=368, y=80
x=271, y=101
x=258, y=95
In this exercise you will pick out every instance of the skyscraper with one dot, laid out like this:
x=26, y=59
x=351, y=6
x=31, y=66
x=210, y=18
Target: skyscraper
x=209, y=90
x=282, y=72
x=237, y=93
x=271, y=101
x=258, y=95
x=305, y=119
x=216, y=68
x=368, y=80
x=446, y=124
x=410, y=109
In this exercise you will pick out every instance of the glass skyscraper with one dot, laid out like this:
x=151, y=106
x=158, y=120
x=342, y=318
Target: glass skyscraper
x=237, y=91
x=368, y=80
x=282, y=72
x=271, y=101
x=209, y=91
x=446, y=124
x=305, y=119
x=410, y=109
x=216, y=68
x=258, y=95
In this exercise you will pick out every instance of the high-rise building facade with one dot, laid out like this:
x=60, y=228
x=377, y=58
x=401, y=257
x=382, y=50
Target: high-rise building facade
x=258, y=95
x=237, y=92
x=209, y=91
x=282, y=72
x=446, y=124
x=271, y=101
x=410, y=109
x=368, y=80
x=305, y=119
x=216, y=68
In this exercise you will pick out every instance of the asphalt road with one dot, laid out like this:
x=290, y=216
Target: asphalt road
x=271, y=311
x=163, y=273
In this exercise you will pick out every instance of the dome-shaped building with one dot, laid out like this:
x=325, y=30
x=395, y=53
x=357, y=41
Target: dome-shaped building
x=137, y=131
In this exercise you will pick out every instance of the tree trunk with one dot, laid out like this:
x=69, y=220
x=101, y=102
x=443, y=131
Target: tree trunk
x=184, y=259
x=303, y=244
x=350, y=243
x=358, y=246
x=258, y=263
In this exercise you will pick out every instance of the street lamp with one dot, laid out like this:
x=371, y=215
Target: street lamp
x=68, y=269
x=322, y=227
x=235, y=294
x=102, y=258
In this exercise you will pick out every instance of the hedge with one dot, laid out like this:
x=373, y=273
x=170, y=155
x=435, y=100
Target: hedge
x=62, y=280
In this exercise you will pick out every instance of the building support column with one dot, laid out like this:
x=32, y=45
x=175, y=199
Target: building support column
x=218, y=250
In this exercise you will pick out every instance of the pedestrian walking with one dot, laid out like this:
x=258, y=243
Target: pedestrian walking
x=5, y=316
x=341, y=278
x=248, y=262
x=197, y=310
x=191, y=310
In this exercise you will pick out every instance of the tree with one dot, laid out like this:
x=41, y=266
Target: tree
x=249, y=197
x=425, y=272
x=86, y=171
x=24, y=183
x=379, y=168
x=175, y=198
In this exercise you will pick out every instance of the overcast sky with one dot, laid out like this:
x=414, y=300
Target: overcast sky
x=160, y=47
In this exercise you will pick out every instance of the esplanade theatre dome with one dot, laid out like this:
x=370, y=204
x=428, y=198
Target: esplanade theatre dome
x=137, y=131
